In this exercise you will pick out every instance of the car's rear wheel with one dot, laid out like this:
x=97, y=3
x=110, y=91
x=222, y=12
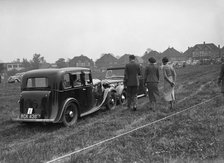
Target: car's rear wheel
x=111, y=101
x=70, y=114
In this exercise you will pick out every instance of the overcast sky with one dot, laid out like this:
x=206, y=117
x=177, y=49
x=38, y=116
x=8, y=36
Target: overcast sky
x=65, y=28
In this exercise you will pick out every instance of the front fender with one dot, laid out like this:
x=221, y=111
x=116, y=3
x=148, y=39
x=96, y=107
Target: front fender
x=119, y=89
x=105, y=93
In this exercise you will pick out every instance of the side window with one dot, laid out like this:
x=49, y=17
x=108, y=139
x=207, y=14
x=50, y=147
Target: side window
x=87, y=78
x=76, y=80
x=66, y=81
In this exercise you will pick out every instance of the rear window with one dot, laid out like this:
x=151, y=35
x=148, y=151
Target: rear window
x=37, y=83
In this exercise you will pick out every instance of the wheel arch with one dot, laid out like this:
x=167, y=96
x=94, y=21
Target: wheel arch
x=66, y=102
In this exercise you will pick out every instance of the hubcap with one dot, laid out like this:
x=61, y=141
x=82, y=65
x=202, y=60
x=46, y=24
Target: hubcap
x=71, y=114
x=112, y=101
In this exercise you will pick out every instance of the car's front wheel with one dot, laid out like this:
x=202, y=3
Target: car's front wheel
x=111, y=101
x=70, y=114
x=123, y=98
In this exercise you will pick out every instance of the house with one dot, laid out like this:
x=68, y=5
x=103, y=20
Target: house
x=14, y=66
x=81, y=61
x=149, y=54
x=107, y=60
x=173, y=55
x=205, y=51
x=123, y=60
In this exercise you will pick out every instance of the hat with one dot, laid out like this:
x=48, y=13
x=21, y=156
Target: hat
x=131, y=57
x=152, y=60
x=165, y=60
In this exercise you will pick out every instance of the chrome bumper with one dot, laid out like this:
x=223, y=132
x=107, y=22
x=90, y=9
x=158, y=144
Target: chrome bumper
x=32, y=120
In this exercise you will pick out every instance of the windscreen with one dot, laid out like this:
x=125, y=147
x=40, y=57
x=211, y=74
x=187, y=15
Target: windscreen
x=115, y=73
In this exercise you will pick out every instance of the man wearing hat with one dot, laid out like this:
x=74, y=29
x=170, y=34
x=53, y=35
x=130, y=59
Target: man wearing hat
x=151, y=80
x=131, y=80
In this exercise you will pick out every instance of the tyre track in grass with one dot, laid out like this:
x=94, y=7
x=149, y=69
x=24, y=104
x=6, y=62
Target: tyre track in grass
x=143, y=118
x=69, y=155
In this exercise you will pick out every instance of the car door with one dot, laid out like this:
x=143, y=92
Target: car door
x=88, y=88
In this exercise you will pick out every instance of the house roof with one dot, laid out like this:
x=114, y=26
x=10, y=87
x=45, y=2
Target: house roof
x=189, y=51
x=81, y=57
x=108, y=55
x=152, y=53
x=211, y=46
x=171, y=52
x=125, y=59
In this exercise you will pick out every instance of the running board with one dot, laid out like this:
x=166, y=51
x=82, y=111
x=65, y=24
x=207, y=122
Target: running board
x=94, y=109
x=141, y=95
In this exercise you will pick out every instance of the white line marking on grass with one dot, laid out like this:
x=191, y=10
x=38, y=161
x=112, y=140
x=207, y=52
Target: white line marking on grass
x=125, y=133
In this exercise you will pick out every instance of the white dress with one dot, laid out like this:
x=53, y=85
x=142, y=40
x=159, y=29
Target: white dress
x=168, y=90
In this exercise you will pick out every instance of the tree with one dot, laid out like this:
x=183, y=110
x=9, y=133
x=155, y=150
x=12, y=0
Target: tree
x=37, y=60
x=60, y=63
x=26, y=64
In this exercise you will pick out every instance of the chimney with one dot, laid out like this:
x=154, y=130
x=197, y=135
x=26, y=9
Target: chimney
x=219, y=46
x=204, y=42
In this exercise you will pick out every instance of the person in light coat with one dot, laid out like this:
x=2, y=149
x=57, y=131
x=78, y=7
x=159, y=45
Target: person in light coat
x=169, y=82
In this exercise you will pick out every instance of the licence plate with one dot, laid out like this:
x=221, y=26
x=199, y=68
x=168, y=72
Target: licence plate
x=29, y=116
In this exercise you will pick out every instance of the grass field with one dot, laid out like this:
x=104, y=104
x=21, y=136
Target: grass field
x=196, y=135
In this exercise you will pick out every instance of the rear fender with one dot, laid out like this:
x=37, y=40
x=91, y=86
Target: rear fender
x=63, y=108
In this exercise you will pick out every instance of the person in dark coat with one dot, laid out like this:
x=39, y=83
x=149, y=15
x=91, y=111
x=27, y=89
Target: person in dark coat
x=151, y=81
x=221, y=79
x=131, y=81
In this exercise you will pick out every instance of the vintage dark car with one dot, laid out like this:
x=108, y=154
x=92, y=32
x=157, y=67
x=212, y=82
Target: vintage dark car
x=114, y=77
x=62, y=95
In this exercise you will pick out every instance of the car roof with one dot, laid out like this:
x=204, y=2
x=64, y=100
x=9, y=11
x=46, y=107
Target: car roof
x=55, y=70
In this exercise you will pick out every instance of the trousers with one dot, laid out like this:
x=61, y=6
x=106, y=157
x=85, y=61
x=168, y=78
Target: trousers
x=132, y=96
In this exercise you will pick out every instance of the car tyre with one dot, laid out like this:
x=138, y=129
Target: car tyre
x=123, y=98
x=111, y=101
x=70, y=114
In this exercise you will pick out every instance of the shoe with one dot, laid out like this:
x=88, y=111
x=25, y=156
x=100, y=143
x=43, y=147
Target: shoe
x=134, y=108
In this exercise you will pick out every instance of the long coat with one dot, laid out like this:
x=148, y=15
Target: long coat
x=131, y=74
x=221, y=78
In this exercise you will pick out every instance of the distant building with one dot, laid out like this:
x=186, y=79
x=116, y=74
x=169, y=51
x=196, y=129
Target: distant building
x=14, y=66
x=173, y=55
x=204, y=51
x=123, y=60
x=107, y=60
x=81, y=61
